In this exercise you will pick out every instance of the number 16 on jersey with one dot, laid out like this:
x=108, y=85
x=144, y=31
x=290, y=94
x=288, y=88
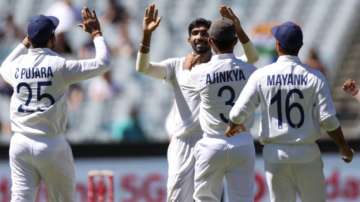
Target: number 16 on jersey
x=289, y=107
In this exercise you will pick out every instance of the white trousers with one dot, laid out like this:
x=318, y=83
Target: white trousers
x=38, y=158
x=219, y=158
x=181, y=163
x=285, y=180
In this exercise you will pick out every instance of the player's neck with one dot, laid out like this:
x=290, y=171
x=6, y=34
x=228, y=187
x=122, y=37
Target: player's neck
x=280, y=53
x=225, y=52
x=204, y=57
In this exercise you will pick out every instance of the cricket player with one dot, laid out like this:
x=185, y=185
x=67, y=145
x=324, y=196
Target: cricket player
x=219, y=83
x=182, y=122
x=352, y=88
x=40, y=78
x=295, y=103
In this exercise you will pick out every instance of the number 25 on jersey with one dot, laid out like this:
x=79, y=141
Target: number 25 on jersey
x=24, y=108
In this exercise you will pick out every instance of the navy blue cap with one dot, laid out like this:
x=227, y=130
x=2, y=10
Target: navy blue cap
x=289, y=35
x=41, y=28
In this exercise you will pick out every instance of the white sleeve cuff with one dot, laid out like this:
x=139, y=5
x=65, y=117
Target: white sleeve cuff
x=330, y=124
x=237, y=117
x=250, y=52
x=142, y=61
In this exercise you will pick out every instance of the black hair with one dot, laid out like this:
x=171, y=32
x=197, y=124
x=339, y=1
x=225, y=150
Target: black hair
x=224, y=45
x=42, y=44
x=288, y=51
x=223, y=34
x=197, y=23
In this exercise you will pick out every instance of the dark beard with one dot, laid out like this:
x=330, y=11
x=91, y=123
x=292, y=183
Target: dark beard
x=201, y=49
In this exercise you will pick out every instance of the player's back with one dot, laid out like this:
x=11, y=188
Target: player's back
x=38, y=103
x=40, y=79
x=292, y=97
x=220, y=82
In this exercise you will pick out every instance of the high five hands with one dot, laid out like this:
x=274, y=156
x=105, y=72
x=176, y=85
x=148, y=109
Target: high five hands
x=151, y=19
x=90, y=22
x=227, y=12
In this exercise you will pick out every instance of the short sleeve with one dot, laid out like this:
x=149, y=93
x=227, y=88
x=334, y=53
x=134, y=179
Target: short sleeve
x=324, y=101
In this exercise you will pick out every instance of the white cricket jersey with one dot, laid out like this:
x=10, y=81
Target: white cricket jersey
x=219, y=83
x=40, y=79
x=294, y=100
x=183, y=118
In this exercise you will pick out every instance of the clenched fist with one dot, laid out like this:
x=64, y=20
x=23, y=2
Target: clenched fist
x=350, y=87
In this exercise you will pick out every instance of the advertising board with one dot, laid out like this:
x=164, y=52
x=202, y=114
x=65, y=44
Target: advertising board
x=144, y=179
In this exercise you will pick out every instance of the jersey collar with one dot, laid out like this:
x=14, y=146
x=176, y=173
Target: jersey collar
x=222, y=56
x=288, y=58
x=37, y=51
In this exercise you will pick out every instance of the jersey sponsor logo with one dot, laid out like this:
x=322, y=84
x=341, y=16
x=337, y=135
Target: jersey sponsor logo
x=287, y=79
x=226, y=76
x=33, y=73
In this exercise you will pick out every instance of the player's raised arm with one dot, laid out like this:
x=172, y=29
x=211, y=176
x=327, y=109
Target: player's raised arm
x=251, y=55
x=19, y=50
x=150, y=23
x=352, y=88
x=77, y=70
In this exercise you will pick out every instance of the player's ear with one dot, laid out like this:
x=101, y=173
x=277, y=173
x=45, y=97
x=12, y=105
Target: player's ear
x=277, y=46
x=31, y=44
x=51, y=42
x=212, y=44
x=235, y=42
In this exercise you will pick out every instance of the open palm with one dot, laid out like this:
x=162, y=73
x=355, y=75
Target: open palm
x=227, y=12
x=151, y=19
x=90, y=21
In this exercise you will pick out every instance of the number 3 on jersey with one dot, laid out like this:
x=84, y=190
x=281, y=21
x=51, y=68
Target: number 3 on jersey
x=24, y=108
x=229, y=102
x=288, y=108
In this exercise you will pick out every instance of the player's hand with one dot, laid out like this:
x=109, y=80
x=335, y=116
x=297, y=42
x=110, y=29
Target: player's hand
x=347, y=154
x=350, y=87
x=90, y=22
x=191, y=60
x=151, y=19
x=233, y=129
x=227, y=12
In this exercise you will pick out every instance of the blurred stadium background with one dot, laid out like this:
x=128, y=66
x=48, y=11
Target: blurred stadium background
x=120, y=116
